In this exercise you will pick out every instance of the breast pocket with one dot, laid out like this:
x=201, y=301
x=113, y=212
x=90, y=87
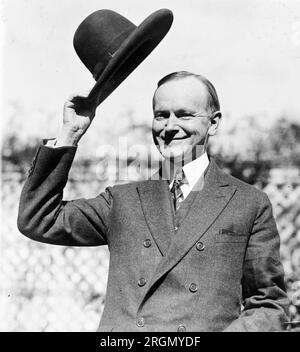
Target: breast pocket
x=228, y=236
x=230, y=250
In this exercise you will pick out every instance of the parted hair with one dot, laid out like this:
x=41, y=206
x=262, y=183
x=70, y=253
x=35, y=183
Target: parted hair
x=213, y=100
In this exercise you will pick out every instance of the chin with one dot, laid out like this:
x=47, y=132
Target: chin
x=174, y=153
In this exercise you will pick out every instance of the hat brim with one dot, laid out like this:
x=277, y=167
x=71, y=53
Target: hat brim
x=136, y=47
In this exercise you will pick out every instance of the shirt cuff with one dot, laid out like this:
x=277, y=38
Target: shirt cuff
x=50, y=142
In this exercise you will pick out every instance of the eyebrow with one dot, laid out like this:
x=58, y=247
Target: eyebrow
x=179, y=111
x=160, y=110
x=186, y=111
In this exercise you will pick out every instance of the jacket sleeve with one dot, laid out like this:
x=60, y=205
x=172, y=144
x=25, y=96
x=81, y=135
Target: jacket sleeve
x=43, y=215
x=264, y=298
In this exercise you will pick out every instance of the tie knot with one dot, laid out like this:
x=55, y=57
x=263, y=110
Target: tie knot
x=179, y=177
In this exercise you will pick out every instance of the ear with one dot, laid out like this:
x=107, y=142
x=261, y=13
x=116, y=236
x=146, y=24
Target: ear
x=215, y=121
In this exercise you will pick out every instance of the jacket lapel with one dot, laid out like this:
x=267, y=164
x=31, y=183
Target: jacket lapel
x=209, y=203
x=156, y=205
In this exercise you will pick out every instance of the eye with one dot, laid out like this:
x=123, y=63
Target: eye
x=184, y=115
x=160, y=116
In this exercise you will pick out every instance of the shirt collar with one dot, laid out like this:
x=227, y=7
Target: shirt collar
x=192, y=170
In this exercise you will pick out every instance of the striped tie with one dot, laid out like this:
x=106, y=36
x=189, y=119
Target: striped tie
x=176, y=191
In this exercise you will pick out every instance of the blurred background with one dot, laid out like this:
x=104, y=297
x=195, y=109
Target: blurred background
x=250, y=50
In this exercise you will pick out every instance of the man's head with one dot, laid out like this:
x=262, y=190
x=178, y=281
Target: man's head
x=186, y=112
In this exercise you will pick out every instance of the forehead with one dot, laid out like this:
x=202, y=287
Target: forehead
x=181, y=93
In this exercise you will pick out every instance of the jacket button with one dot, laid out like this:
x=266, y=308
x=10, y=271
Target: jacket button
x=140, y=322
x=147, y=243
x=30, y=169
x=193, y=287
x=200, y=246
x=181, y=328
x=142, y=282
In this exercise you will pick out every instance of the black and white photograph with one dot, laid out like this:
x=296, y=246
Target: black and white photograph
x=150, y=167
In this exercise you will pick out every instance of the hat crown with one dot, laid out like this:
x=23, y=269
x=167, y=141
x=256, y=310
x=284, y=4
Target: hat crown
x=111, y=47
x=98, y=38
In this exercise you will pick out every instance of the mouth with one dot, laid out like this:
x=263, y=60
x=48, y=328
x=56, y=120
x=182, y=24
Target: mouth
x=169, y=140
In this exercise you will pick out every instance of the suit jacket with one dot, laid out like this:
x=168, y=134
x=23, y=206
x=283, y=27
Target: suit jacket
x=220, y=272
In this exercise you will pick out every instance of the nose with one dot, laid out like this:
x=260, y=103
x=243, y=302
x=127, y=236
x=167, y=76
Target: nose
x=171, y=124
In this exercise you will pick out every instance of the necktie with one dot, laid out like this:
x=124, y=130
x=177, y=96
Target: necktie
x=176, y=191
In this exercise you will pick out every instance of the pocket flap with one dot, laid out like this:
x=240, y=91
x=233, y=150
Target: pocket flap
x=225, y=235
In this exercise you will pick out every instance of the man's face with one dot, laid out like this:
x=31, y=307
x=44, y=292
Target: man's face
x=176, y=132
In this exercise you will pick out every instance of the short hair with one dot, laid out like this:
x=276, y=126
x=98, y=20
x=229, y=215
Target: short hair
x=213, y=100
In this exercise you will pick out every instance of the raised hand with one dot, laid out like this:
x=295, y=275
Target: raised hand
x=78, y=114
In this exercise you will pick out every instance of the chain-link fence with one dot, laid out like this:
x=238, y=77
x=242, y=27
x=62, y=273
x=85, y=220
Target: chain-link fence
x=285, y=197
x=53, y=288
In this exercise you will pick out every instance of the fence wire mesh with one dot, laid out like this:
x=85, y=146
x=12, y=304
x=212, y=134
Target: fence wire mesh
x=53, y=288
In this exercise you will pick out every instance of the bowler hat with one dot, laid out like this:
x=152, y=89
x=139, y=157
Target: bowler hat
x=111, y=47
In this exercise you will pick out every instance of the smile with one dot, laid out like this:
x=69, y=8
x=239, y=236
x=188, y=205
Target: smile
x=174, y=139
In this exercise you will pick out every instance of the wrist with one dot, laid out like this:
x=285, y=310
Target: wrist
x=67, y=138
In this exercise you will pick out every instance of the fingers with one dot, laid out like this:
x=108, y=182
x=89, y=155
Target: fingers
x=73, y=97
x=84, y=106
x=81, y=104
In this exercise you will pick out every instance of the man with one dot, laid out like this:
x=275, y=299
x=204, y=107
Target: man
x=194, y=249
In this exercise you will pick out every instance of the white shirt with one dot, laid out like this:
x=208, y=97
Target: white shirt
x=192, y=170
